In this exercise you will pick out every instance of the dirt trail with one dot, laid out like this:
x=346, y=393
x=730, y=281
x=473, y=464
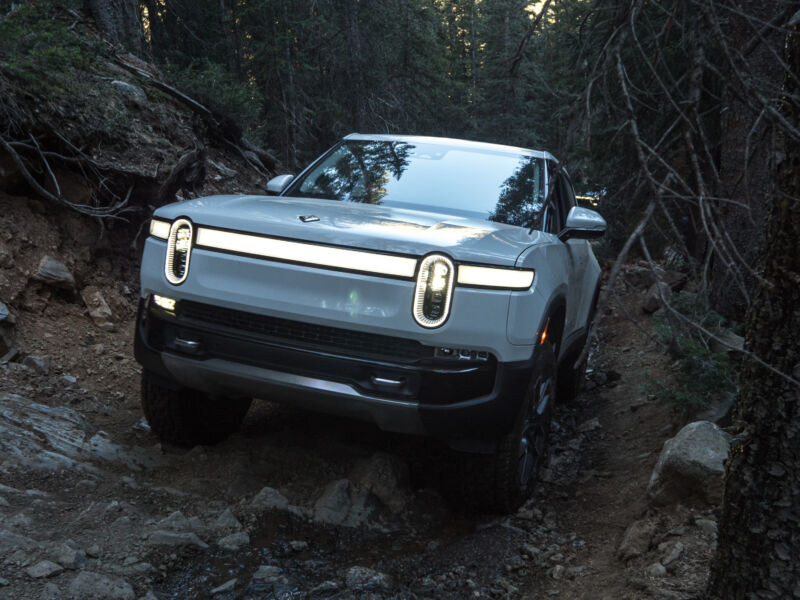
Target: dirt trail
x=298, y=505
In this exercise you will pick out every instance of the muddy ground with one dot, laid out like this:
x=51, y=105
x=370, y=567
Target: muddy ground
x=298, y=505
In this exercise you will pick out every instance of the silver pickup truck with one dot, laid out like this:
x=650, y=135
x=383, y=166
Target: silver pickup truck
x=429, y=285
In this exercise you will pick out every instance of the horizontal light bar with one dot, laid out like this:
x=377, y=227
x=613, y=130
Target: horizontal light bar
x=164, y=302
x=311, y=254
x=159, y=229
x=508, y=279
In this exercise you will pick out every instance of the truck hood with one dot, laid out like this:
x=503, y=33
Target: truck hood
x=367, y=226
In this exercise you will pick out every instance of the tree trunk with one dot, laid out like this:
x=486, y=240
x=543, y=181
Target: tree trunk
x=744, y=153
x=759, y=540
x=119, y=22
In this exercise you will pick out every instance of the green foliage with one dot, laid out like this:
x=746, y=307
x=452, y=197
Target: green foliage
x=701, y=373
x=219, y=89
x=40, y=48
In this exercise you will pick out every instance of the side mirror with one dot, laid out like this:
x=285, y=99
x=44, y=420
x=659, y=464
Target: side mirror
x=583, y=224
x=276, y=185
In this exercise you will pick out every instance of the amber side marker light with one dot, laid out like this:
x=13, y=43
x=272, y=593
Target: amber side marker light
x=544, y=333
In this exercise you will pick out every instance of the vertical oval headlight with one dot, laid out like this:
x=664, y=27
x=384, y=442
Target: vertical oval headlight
x=434, y=290
x=179, y=251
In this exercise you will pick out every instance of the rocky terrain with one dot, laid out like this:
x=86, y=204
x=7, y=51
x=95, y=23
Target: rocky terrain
x=307, y=506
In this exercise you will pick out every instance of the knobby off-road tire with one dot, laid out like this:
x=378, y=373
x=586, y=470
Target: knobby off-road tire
x=510, y=474
x=187, y=417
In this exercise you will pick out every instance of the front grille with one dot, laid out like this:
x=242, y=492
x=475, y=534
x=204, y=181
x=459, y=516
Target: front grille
x=306, y=335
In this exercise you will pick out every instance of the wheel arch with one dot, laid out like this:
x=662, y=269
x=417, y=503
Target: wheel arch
x=551, y=326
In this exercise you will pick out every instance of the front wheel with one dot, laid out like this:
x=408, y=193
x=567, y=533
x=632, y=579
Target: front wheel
x=521, y=453
x=186, y=417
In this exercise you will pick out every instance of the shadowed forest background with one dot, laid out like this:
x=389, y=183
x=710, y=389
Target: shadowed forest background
x=677, y=120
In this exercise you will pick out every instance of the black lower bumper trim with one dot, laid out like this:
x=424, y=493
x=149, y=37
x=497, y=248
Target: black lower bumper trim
x=447, y=401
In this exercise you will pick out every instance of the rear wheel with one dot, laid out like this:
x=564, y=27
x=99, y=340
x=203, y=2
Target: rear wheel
x=520, y=454
x=186, y=417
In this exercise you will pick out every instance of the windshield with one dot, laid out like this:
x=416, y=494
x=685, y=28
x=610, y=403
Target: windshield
x=473, y=182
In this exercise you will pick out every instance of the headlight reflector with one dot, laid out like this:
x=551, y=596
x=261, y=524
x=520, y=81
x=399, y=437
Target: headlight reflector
x=179, y=251
x=159, y=229
x=434, y=290
x=493, y=277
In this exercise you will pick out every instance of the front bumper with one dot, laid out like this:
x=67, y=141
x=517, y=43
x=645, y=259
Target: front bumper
x=461, y=402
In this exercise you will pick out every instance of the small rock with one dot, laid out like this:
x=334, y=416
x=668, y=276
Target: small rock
x=51, y=592
x=656, y=570
x=691, y=466
x=673, y=555
x=557, y=572
x=234, y=541
x=129, y=91
x=270, y=499
x=8, y=356
x=573, y=572
x=652, y=299
x=298, y=545
x=69, y=380
x=325, y=588
x=93, y=551
x=40, y=364
x=197, y=526
x=175, y=521
x=53, y=272
x=636, y=540
x=225, y=587
x=227, y=521
x=44, y=568
x=530, y=550
x=69, y=558
x=637, y=404
x=334, y=504
x=170, y=538
x=366, y=580
x=386, y=476
x=341, y=504
x=707, y=526
x=99, y=310
x=599, y=378
x=85, y=486
x=5, y=314
x=590, y=425
x=268, y=573
x=4, y=582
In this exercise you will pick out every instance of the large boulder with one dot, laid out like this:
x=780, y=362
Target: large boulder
x=691, y=465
